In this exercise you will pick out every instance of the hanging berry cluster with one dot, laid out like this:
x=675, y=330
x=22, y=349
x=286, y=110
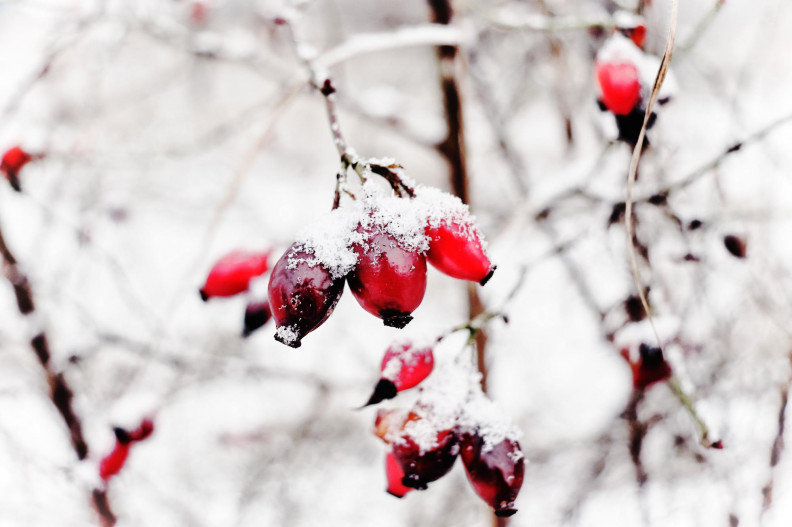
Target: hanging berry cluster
x=378, y=245
x=451, y=418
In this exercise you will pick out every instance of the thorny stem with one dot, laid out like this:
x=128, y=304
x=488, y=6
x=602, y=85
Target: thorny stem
x=61, y=393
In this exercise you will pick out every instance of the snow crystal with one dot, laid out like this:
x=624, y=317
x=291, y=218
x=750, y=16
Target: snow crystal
x=330, y=241
x=287, y=334
x=452, y=399
x=392, y=368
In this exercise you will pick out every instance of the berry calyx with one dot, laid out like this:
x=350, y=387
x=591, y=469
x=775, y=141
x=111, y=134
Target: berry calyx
x=388, y=281
x=394, y=474
x=495, y=471
x=232, y=274
x=456, y=249
x=403, y=367
x=256, y=315
x=423, y=464
x=12, y=162
x=620, y=86
x=302, y=294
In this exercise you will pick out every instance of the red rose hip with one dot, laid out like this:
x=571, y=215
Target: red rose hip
x=455, y=249
x=302, y=294
x=232, y=274
x=403, y=367
x=421, y=466
x=394, y=473
x=388, y=281
x=620, y=86
x=12, y=162
x=496, y=472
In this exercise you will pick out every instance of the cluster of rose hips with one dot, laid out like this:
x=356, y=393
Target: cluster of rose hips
x=113, y=462
x=426, y=440
x=231, y=275
x=379, y=246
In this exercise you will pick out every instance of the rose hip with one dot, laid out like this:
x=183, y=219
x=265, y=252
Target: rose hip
x=302, y=294
x=403, y=367
x=256, y=315
x=394, y=473
x=620, y=86
x=232, y=274
x=388, y=281
x=495, y=473
x=455, y=248
x=422, y=466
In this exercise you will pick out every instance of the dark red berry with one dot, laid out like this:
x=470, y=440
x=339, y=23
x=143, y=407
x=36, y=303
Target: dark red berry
x=114, y=461
x=394, y=473
x=735, y=245
x=256, y=315
x=388, y=281
x=455, y=249
x=302, y=294
x=651, y=367
x=620, y=86
x=421, y=466
x=232, y=274
x=13, y=160
x=495, y=471
x=143, y=431
x=403, y=367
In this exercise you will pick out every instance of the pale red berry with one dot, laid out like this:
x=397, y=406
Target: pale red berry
x=620, y=86
x=232, y=274
x=456, y=249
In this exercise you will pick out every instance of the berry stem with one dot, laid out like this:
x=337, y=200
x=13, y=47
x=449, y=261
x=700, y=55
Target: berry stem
x=687, y=402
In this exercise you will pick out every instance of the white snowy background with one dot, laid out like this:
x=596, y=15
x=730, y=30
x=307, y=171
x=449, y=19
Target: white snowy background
x=168, y=144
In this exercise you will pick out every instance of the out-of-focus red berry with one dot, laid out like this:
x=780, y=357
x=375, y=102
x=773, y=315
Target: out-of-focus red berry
x=620, y=86
x=256, y=315
x=232, y=274
x=394, y=473
x=12, y=162
x=114, y=461
x=143, y=431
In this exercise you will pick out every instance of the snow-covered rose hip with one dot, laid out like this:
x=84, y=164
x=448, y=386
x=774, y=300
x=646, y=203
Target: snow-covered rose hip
x=388, y=280
x=232, y=273
x=456, y=249
x=395, y=474
x=495, y=471
x=403, y=367
x=423, y=464
x=302, y=294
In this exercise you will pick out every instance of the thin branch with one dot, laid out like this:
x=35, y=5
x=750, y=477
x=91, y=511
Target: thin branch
x=60, y=393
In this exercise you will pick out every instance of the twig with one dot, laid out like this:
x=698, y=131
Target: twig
x=61, y=393
x=364, y=43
